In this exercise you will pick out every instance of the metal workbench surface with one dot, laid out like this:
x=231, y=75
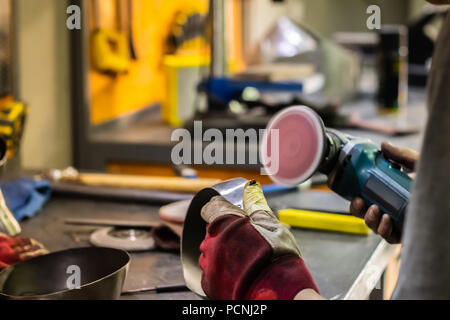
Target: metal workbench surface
x=336, y=261
x=344, y=266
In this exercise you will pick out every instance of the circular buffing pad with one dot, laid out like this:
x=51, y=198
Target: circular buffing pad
x=293, y=145
x=125, y=239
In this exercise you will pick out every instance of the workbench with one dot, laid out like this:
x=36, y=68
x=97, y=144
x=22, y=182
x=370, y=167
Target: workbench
x=337, y=261
x=344, y=266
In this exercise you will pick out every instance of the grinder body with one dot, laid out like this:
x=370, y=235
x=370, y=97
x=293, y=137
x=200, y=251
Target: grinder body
x=296, y=145
x=357, y=167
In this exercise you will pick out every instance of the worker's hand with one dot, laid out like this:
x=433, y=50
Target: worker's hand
x=248, y=254
x=381, y=223
x=18, y=248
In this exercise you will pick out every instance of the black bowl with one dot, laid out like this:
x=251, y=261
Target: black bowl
x=102, y=273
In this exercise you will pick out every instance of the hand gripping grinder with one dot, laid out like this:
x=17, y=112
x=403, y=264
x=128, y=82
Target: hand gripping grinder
x=296, y=145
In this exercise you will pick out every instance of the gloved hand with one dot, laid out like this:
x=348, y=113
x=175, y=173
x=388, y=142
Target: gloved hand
x=248, y=254
x=16, y=249
x=382, y=224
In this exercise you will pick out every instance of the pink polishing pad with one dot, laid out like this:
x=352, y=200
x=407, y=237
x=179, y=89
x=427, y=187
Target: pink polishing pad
x=293, y=145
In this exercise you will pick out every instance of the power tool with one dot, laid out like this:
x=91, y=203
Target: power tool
x=110, y=48
x=297, y=145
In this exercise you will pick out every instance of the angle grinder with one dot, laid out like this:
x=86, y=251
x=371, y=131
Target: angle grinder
x=297, y=145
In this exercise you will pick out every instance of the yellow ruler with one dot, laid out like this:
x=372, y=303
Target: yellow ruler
x=323, y=221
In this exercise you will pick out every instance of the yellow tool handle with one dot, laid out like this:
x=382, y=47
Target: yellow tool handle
x=323, y=221
x=146, y=182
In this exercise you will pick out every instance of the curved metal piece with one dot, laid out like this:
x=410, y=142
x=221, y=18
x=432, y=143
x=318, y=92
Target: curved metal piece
x=194, y=230
x=102, y=274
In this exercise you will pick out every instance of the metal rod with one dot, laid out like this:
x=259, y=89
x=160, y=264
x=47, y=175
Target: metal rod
x=161, y=289
x=218, y=60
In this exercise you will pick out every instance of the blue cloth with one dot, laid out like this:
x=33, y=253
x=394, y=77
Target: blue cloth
x=25, y=197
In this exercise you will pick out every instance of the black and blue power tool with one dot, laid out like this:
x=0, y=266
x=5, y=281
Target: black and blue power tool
x=296, y=145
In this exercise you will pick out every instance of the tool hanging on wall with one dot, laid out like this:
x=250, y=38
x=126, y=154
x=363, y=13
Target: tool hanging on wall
x=187, y=31
x=110, y=48
x=131, y=43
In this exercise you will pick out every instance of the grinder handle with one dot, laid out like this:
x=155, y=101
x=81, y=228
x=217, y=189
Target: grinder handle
x=388, y=187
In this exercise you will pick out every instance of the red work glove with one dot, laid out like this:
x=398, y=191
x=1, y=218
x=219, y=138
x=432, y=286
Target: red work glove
x=16, y=249
x=249, y=254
